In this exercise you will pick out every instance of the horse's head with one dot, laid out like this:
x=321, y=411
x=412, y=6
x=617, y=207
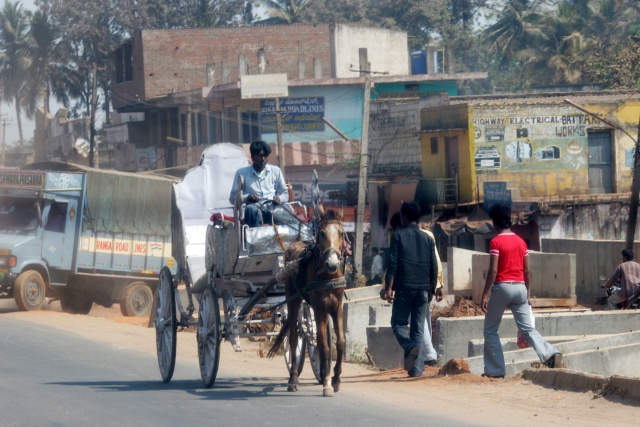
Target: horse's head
x=330, y=242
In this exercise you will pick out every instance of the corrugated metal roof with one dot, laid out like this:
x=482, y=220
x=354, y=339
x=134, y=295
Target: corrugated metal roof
x=554, y=97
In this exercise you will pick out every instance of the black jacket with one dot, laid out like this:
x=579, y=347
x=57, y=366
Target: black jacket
x=412, y=260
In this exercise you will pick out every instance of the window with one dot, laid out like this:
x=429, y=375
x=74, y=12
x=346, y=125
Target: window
x=123, y=63
x=57, y=218
x=434, y=145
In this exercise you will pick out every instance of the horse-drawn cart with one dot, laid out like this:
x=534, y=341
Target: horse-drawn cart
x=224, y=264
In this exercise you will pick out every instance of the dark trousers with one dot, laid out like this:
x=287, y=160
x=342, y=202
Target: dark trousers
x=410, y=303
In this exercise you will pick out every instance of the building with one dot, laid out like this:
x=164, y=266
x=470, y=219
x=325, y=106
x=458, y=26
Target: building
x=563, y=160
x=184, y=86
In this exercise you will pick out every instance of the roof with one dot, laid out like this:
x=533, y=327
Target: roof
x=551, y=97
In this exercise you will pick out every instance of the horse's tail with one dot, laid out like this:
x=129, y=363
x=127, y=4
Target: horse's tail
x=279, y=340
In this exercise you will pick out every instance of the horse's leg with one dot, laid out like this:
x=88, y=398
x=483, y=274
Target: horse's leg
x=323, y=346
x=292, y=320
x=340, y=345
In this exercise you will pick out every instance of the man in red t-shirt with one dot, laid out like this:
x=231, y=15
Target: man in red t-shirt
x=508, y=283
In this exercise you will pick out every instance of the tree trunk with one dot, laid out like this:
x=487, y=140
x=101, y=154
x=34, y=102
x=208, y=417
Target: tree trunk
x=19, y=119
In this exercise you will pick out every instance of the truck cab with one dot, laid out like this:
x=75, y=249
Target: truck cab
x=38, y=228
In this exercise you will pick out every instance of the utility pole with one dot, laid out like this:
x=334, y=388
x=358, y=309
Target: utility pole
x=4, y=123
x=633, y=200
x=364, y=164
x=189, y=134
x=93, y=153
x=279, y=132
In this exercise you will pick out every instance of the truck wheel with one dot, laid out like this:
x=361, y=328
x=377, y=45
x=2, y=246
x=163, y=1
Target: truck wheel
x=137, y=301
x=74, y=303
x=29, y=290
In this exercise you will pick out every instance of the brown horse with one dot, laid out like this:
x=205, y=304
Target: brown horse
x=321, y=281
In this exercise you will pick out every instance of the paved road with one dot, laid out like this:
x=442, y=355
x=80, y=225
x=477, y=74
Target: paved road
x=53, y=378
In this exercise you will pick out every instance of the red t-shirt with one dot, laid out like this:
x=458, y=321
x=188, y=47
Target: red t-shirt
x=510, y=250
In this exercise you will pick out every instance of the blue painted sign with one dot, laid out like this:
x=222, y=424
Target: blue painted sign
x=296, y=114
x=495, y=193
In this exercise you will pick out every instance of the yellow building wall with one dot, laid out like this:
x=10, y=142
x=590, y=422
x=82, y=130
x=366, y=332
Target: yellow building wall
x=541, y=148
x=626, y=116
x=434, y=165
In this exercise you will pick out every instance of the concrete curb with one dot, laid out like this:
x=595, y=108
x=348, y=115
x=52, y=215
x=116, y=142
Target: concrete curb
x=616, y=385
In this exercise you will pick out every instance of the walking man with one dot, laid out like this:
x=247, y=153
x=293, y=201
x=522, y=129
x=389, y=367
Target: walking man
x=508, y=281
x=410, y=282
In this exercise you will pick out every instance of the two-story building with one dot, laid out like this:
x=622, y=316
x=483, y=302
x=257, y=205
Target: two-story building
x=186, y=84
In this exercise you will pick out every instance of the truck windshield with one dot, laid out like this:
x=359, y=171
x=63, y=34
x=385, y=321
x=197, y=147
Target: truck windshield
x=18, y=215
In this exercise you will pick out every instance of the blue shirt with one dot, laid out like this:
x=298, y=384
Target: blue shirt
x=265, y=185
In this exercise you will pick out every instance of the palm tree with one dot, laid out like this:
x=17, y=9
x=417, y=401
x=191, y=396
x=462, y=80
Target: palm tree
x=46, y=74
x=283, y=11
x=516, y=28
x=14, y=60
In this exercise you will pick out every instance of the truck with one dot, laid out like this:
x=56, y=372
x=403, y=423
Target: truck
x=83, y=236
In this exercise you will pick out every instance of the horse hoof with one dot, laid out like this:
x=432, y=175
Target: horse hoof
x=336, y=386
x=292, y=387
x=327, y=392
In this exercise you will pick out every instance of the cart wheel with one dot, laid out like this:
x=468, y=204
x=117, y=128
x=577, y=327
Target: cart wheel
x=300, y=350
x=309, y=329
x=209, y=336
x=166, y=324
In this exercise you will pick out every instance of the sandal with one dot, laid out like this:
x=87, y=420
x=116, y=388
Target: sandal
x=492, y=376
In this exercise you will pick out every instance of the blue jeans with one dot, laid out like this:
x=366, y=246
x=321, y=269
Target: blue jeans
x=411, y=303
x=255, y=215
x=514, y=297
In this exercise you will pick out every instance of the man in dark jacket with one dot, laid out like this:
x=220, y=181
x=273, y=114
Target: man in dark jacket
x=410, y=283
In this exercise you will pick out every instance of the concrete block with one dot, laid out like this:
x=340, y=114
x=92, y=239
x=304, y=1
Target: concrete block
x=357, y=316
x=476, y=347
x=543, y=377
x=452, y=335
x=578, y=381
x=553, y=276
x=624, y=387
x=384, y=349
x=362, y=293
x=459, y=271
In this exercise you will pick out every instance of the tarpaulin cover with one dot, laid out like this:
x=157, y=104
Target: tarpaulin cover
x=205, y=189
x=119, y=202
x=122, y=202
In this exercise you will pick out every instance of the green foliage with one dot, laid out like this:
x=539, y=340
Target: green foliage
x=617, y=71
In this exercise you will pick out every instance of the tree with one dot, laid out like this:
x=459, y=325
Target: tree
x=517, y=28
x=13, y=56
x=194, y=13
x=284, y=11
x=47, y=72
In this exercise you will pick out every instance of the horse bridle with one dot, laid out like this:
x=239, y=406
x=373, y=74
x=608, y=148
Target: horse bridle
x=322, y=254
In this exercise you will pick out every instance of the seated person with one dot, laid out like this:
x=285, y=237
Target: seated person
x=262, y=182
x=627, y=275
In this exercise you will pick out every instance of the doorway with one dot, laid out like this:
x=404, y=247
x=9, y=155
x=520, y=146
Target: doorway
x=600, y=168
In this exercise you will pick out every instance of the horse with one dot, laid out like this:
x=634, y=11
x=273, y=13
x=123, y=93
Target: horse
x=320, y=279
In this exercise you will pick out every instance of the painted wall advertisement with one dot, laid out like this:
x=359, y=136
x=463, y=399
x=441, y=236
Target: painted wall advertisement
x=296, y=114
x=538, y=137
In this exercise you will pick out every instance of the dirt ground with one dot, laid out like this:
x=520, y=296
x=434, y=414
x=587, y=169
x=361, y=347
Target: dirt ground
x=463, y=396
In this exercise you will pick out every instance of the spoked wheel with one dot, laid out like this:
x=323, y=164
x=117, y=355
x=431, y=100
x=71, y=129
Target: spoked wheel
x=166, y=324
x=299, y=351
x=309, y=328
x=209, y=336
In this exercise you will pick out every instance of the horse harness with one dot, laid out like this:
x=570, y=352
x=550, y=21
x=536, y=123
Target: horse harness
x=312, y=252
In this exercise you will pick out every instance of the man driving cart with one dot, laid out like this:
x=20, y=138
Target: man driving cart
x=263, y=184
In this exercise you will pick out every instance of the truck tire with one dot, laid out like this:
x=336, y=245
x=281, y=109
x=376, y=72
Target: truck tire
x=29, y=290
x=74, y=303
x=138, y=300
